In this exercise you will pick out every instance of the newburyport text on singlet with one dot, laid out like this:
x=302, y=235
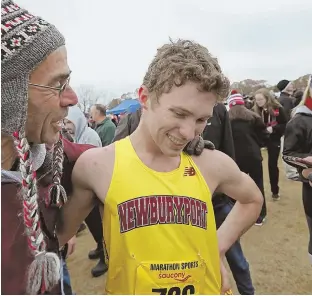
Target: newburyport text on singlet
x=161, y=209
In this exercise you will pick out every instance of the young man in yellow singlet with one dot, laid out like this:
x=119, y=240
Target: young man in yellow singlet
x=158, y=219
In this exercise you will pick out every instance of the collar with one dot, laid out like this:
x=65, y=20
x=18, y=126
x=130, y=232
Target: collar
x=102, y=122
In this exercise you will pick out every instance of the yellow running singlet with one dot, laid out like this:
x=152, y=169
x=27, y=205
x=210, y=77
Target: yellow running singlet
x=159, y=229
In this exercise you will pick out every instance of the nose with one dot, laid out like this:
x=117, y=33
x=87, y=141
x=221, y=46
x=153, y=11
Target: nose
x=68, y=97
x=188, y=130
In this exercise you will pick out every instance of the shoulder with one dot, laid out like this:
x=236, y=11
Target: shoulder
x=220, y=110
x=109, y=126
x=94, y=164
x=97, y=156
x=213, y=159
x=297, y=120
x=221, y=107
x=215, y=166
x=110, y=123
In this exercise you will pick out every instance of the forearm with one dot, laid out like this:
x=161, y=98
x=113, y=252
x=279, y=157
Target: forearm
x=69, y=219
x=240, y=219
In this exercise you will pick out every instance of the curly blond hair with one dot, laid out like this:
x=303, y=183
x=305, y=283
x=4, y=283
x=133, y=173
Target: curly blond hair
x=179, y=62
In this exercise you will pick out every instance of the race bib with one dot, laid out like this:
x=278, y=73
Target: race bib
x=170, y=278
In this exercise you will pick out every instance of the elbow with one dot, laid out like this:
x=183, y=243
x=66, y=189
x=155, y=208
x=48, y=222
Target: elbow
x=257, y=199
x=260, y=199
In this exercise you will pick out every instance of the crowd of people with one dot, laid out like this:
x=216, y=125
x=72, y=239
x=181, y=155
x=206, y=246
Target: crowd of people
x=166, y=192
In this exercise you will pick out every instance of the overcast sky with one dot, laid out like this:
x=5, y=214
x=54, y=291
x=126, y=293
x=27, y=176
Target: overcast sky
x=111, y=42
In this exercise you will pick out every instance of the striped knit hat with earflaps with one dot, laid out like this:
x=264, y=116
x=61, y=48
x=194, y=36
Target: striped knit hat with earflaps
x=26, y=40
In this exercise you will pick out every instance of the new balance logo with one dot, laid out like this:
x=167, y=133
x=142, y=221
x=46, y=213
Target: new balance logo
x=189, y=171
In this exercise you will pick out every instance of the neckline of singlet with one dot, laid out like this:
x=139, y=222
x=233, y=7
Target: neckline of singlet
x=138, y=159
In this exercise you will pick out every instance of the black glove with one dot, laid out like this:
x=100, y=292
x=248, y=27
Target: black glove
x=197, y=146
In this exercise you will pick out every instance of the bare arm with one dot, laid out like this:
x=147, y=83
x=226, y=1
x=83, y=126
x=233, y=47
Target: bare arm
x=223, y=175
x=80, y=203
x=246, y=210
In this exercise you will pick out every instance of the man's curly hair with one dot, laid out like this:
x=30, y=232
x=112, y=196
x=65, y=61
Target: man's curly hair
x=179, y=62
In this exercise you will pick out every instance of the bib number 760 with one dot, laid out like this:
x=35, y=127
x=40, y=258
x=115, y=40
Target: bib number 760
x=187, y=290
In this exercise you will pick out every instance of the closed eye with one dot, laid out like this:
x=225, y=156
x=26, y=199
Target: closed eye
x=180, y=115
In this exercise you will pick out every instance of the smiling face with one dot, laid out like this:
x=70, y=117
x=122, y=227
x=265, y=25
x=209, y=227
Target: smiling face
x=46, y=107
x=177, y=117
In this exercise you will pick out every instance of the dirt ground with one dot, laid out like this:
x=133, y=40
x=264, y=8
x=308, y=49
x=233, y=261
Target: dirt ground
x=277, y=251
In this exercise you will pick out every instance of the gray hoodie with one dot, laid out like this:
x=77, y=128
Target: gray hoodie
x=83, y=133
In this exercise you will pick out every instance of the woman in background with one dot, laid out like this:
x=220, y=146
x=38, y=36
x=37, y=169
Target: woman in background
x=274, y=118
x=249, y=135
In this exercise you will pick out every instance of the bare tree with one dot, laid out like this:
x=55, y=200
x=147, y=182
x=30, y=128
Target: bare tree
x=136, y=93
x=88, y=95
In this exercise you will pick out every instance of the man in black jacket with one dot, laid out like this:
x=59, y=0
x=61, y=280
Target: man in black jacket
x=288, y=102
x=218, y=131
x=286, y=88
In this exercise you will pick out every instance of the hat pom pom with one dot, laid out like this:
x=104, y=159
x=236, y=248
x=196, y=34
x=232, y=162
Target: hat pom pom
x=44, y=273
x=234, y=91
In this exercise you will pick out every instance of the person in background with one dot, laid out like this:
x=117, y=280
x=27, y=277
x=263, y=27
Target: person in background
x=275, y=119
x=288, y=100
x=103, y=124
x=106, y=130
x=248, y=102
x=298, y=143
x=127, y=125
x=249, y=135
x=286, y=88
x=115, y=120
x=298, y=95
x=218, y=131
x=77, y=126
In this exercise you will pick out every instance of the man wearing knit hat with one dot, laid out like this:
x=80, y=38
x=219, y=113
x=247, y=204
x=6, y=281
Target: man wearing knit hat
x=35, y=96
x=286, y=88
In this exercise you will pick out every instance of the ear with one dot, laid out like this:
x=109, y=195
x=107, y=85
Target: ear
x=143, y=96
